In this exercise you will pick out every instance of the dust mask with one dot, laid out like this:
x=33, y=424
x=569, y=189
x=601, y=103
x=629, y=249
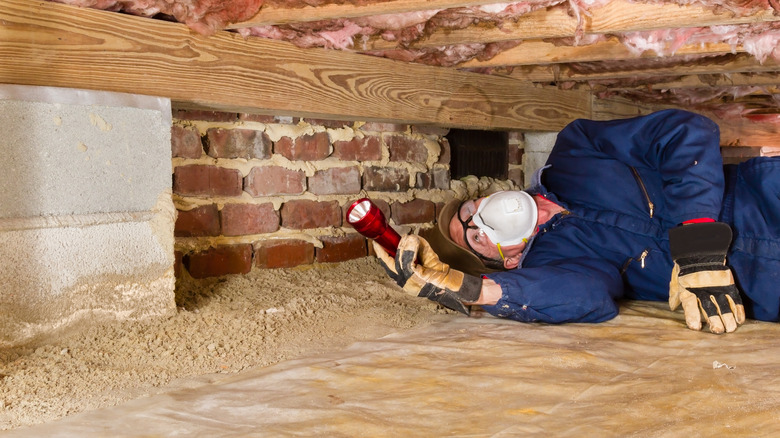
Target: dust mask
x=507, y=218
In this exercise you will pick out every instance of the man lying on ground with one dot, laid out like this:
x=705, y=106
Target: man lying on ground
x=640, y=208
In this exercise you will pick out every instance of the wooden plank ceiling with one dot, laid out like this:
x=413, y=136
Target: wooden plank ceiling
x=543, y=56
x=548, y=47
x=541, y=68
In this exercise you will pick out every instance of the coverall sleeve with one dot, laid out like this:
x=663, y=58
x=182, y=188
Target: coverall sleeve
x=680, y=146
x=560, y=292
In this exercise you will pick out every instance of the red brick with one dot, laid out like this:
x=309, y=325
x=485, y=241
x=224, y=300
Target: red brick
x=358, y=149
x=336, y=180
x=515, y=154
x=274, y=180
x=332, y=124
x=222, y=260
x=302, y=214
x=430, y=130
x=260, y=118
x=200, y=221
x=177, y=256
x=441, y=178
x=208, y=116
x=284, y=253
x=385, y=179
x=423, y=180
x=243, y=219
x=383, y=127
x=185, y=142
x=414, y=212
x=439, y=206
x=199, y=180
x=445, y=155
x=237, y=143
x=406, y=149
x=306, y=147
x=341, y=248
x=383, y=206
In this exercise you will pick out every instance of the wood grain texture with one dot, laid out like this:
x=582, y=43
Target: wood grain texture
x=618, y=16
x=276, y=15
x=50, y=44
x=727, y=64
x=540, y=52
x=733, y=132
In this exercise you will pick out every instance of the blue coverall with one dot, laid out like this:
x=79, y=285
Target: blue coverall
x=624, y=184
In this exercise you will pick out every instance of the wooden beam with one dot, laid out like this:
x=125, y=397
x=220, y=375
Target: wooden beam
x=672, y=66
x=733, y=132
x=745, y=132
x=271, y=15
x=618, y=16
x=540, y=52
x=51, y=44
x=768, y=80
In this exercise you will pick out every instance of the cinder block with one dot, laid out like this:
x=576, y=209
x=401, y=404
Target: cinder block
x=86, y=215
x=538, y=146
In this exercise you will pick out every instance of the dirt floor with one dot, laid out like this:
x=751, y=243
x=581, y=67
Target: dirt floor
x=222, y=325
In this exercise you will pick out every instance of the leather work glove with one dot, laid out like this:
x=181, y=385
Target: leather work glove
x=701, y=281
x=418, y=270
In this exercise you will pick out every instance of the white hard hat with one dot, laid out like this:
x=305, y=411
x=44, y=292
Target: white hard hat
x=508, y=218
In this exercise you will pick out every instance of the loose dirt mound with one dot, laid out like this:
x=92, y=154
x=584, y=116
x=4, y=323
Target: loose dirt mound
x=222, y=325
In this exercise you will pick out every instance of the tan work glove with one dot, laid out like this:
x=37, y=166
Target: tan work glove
x=701, y=281
x=418, y=270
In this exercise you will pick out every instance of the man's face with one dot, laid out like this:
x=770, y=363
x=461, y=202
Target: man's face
x=472, y=238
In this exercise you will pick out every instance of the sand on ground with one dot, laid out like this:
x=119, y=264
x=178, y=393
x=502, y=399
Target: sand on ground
x=222, y=325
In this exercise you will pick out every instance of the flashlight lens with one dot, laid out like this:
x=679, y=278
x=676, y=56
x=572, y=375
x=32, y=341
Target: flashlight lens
x=359, y=211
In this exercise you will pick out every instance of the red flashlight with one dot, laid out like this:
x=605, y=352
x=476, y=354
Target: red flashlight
x=369, y=221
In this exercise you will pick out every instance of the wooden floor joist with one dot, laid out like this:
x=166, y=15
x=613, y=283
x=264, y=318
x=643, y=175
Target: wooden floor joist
x=45, y=43
x=618, y=16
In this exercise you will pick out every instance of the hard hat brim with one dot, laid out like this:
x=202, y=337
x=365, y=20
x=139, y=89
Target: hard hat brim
x=450, y=252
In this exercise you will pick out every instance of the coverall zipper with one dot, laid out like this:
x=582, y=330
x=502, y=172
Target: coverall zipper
x=641, y=259
x=644, y=190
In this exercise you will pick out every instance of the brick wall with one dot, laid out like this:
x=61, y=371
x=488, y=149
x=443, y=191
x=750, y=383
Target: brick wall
x=268, y=192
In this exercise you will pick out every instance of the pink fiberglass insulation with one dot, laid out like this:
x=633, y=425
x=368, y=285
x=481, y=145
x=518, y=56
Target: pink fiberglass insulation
x=207, y=16
x=202, y=16
x=760, y=40
x=737, y=7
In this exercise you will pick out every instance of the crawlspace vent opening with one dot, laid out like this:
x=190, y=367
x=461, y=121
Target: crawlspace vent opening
x=480, y=153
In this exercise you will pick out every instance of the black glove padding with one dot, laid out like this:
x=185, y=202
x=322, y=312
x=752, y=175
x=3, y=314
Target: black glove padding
x=388, y=263
x=701, y=281
x=418, y=270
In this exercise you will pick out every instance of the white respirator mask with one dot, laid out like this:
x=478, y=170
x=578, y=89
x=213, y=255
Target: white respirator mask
x=507, y=218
